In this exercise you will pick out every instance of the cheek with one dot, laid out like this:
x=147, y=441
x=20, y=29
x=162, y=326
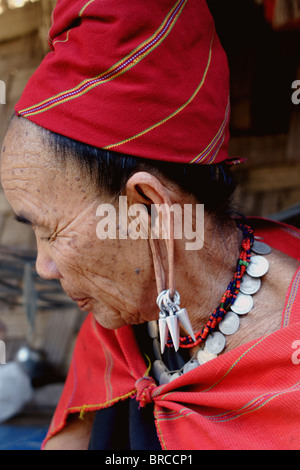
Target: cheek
x=86, y=255
x=66, y=253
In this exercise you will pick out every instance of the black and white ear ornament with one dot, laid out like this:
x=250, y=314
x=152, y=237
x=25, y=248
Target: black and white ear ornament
x=170, y=318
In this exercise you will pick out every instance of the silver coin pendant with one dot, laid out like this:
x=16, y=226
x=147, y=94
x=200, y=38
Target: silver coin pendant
x=260, y=248
x=258, y=266
x=230, y=324
x=215, y=342
x=242, y=304
x=250, y=285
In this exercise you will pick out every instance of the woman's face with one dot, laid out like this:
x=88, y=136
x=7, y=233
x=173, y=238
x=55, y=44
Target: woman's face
x=112, y=278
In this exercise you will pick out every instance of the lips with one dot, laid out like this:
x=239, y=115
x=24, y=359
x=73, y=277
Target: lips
x=83, y=303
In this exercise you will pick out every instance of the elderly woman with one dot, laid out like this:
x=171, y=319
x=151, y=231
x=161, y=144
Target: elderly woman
x=193, y=337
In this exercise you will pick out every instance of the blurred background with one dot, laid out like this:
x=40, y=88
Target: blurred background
x=37, y=322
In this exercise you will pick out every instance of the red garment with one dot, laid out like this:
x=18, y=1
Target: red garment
x=148, y=79
x=247, y=398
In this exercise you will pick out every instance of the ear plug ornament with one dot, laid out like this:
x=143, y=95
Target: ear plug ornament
x=170, y=318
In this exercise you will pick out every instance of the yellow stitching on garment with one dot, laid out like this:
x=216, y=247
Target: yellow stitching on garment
x=87, y=89
x=182, y=413
x=291, y=299
x=85, y=6
x=84, y=408
x=63, y=40
x=165, y=396
x=82, y=411
x=149, y=366
x=79, y=15
x=108, y=359
x=235, y=363
x=51, y=24
x=218, y=135
x=237, y=413
x=111, y=69
x=159, y=432
x=258, y=407
x=220, y=145
x=136, y=136
x=107, y=373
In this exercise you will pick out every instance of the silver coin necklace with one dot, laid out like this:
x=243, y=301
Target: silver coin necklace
x=225, y=321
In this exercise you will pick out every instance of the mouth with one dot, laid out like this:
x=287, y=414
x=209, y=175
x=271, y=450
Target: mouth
x=83, y=303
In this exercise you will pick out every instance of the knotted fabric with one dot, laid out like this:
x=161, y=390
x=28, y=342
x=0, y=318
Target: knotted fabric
x=148, y=79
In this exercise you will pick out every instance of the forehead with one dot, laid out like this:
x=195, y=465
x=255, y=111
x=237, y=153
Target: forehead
x=24, y=142
x=38, y=186
x=26, y=154
x=24, y=134
x=29, y=167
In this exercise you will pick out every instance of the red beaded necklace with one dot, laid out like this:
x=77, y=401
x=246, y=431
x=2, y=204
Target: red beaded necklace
x=229, y=295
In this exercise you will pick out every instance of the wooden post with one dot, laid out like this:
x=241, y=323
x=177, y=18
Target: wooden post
x=2, y=353
x=2, y=92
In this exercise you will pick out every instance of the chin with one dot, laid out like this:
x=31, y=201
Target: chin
x=108, y=322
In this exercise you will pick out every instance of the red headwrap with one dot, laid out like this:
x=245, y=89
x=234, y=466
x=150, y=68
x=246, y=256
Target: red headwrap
x=148, y=79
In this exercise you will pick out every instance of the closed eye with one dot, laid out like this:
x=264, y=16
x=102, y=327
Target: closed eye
x=23, y=220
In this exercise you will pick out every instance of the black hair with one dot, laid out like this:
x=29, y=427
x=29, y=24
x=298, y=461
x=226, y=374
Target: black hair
x=212, y=185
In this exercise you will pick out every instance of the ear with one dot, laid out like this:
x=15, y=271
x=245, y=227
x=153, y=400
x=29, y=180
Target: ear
x=145, y=188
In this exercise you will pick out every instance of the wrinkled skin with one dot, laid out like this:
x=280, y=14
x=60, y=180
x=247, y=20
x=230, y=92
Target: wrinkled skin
x=62, y=212
x=115, y=279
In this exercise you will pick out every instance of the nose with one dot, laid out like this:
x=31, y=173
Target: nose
x=46, y=266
